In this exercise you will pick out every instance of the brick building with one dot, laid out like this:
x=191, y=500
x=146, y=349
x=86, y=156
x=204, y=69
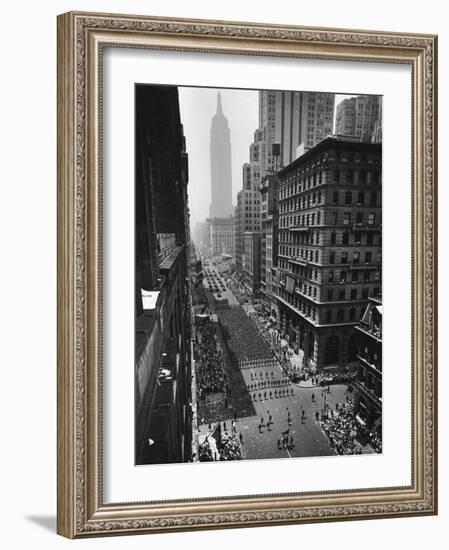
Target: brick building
x=330, y=247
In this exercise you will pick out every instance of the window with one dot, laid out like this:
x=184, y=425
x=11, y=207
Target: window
x=359, y=218
x=348, y=197
x=331, y=277
x=346, y=218
x=356, y=257
x=352, y=314
x=362, y=177
x=365, y=292
x=344, y=258
x=340, y=315
x=371, y=218
x=354, y=276
x=341, y=294
x=345, y=237
x=366, y=276
x=333, y=237
x=369, y=239
x=360, y=197
x=335, y=218
x=350, y=177
x=337, y=175
x=357, y=237
x=332, y=258
x=330, y=295
x=373, y=199
x=342, y=276
x=335, y=197
x=329, y=316
x=353, y=294
x=368, y=257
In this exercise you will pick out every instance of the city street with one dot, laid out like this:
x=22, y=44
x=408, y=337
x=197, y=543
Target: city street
x=261, y=419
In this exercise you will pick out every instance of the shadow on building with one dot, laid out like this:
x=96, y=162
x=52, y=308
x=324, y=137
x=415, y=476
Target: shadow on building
x=162, y=308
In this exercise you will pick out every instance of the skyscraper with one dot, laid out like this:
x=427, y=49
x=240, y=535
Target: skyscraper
x=220, y=165
x=360, y=116
x=286, y=121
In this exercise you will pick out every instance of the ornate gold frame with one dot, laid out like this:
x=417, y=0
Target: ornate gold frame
x=81, y=37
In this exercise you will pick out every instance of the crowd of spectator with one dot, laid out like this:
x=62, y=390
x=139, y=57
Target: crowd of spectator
x=209, y=366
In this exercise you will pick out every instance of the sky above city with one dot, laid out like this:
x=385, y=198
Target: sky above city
x=198, y=106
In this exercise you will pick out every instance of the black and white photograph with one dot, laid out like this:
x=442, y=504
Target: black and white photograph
x=258, y=274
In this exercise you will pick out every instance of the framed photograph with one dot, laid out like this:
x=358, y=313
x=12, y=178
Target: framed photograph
x=246, y=274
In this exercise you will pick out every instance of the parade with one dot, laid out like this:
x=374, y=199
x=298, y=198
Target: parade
x=257, y=396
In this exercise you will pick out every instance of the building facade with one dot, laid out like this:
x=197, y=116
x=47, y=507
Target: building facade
x=247, y=214
x=286, y=120
x=330, y=247
x=368, y=381
x=251, y=262
x=162, y=299
x=220, y=165
x=222, y=235
x=360, y=116
x=269, y=192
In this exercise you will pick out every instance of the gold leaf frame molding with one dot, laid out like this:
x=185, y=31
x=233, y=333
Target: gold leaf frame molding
x=81, y=38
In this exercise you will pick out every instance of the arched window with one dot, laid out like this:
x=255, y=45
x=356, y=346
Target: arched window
x=332, y=350
x=310, y=344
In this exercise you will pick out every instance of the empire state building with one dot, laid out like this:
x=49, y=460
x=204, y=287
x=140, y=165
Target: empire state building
x=220, y=165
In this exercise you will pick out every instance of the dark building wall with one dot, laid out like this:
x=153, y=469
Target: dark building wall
x=163, y=362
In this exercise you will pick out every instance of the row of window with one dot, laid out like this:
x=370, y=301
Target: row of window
x=294, y=184
x=340, y=315
x=313, y=255
x=312, y=219
x=336, y=238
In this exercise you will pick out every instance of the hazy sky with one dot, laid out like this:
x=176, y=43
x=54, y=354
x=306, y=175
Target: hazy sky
x=198, y=106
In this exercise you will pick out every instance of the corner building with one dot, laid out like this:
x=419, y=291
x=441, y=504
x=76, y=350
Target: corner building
x=330, y=247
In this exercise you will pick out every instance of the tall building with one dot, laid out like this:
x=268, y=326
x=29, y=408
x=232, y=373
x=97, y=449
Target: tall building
x=368, y=380
x=269, y=215
x=286, y=121
x=163, y=431
x=220, y=165
x=330, y=254
x=361, y=117
x=247, y=214
x=251, y=261
x=291, y=119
